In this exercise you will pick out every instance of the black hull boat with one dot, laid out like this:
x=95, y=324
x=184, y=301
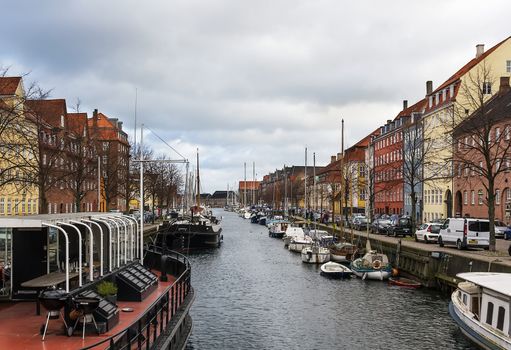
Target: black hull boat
x=184, y=235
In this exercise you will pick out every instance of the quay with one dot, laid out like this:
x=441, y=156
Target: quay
x=434, y=266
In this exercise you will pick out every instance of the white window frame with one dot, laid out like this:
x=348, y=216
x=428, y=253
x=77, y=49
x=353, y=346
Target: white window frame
x=497, y=197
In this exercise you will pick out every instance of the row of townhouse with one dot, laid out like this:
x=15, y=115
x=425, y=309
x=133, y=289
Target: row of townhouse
x=49, y=157
x=430, y=160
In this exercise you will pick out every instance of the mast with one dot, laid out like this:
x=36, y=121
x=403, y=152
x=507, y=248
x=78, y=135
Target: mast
x=305, y=184
x=342, y=177
x=245, y=186
x=198, y=181
x=314, y=185
x=253, y=183
x=285, y=190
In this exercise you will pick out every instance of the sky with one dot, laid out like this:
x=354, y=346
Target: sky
x=245, y=81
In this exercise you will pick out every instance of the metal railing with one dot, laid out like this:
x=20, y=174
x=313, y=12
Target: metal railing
x=146, y=330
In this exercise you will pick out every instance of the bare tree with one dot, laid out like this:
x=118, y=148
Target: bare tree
x=479, y=144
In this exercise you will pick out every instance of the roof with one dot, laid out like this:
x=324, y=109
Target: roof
x=76, y=122
x=8, y=85
x=498, y=282
x=48, y=110
x=468, y=66
x=415, y=108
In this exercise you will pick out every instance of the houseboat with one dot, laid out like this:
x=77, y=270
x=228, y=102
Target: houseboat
x=52, y=272
x=481, y=308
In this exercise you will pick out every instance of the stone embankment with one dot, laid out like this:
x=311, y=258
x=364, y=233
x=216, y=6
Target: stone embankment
x=434, y=266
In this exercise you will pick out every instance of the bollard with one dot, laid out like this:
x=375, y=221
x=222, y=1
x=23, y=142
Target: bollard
x=163, y=267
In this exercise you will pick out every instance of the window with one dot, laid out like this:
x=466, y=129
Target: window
x=497, y=197
x=2, y=205
x=465, y=197
x=489, y=313
x=500, y=318
x=487, y=88
x=497, y=134
x=464, y=299
x=508, y=66
x=480, y=197
x=472, y=197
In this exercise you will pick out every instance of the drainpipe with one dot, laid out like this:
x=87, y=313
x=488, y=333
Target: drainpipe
x=67, y=250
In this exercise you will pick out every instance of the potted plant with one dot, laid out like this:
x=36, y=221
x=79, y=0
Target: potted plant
x=108, y=290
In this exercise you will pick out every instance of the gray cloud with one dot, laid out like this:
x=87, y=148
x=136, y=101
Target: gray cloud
x=247, y=81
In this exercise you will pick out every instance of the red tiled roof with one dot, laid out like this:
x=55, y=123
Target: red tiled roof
x=48, y=110
x=417, y=107
x=76, y=122
x=8, y=85
x=467, y=67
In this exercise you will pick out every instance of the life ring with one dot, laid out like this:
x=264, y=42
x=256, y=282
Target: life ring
x=377, y=264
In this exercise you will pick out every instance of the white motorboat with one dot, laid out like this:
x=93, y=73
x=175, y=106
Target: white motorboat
x=278, y=228
x=315, y=254
x=247, y=215
x=292, y=232
x=372, y=265
x=335, y=270
x=481, y=307
x=299, y=243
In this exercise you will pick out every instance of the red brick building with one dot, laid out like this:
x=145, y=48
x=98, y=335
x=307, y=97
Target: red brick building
x=470, y=192
x=113, y=148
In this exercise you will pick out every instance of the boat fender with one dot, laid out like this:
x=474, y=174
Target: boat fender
x=377, y=264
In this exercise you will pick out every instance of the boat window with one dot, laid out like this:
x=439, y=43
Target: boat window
x=500, y=318
x=464, y=299
x=489, y=313
x=475, y=306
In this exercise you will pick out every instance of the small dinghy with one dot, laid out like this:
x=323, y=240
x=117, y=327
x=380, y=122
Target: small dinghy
x=404, y=282
x=335, y=270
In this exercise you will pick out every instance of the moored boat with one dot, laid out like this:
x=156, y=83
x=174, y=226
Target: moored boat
x=335, y=270
x=299, y=243
x=278, y=228
x=404, y=282
x=481, y=306
x=342, y=252
x=372, y=265
x=291, y=233
x=315, y=254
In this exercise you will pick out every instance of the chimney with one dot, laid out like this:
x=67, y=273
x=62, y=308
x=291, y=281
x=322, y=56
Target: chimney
x=429, y=87
x=95, y=117
x=479, y=50
x=332, y=159
x=338, y=156
x=119, y=125
x=504, y=85
x=405, y=104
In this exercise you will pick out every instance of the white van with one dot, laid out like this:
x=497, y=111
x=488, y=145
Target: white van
x=465, y=233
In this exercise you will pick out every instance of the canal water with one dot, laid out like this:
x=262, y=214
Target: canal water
x=254, y=294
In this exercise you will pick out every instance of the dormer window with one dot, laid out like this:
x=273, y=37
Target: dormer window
x=444, y=94
x=62, y=121
x=451, y=91
x=508, y=66
x=430, y=101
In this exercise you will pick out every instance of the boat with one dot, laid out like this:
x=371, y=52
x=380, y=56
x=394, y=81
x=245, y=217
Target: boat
x=297, y=244
x=292, y=232
x=247, y=215
x=315, y=254
x=104, y=247
x=481, y=307
x=404, y=282
x=262, y=220
x=278, y=228
x=335, y=270
x=372, y=266
x=342, y=252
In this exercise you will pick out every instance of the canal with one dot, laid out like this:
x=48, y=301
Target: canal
x=254, y=294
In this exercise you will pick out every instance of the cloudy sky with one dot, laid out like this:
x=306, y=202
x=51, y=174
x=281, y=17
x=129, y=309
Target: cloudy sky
x=246, y=81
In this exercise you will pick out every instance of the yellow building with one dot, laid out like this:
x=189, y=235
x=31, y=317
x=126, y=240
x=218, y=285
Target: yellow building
x=446, y=106
x=18, y=194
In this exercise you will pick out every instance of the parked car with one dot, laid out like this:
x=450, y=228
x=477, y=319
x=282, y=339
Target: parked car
x=428, y=232
x=465, y=233
x=501, y=229
x=360, y=223
x=380, y=224
x=400, y=227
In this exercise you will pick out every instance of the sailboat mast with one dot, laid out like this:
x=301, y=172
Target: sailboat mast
x=285, y=190
x=342, y=177
x=245, y=186
x=253, y=183
x=198, y=181
x=314, y=185
x=305, y=184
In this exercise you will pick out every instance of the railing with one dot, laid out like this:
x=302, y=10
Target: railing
x=144, y=333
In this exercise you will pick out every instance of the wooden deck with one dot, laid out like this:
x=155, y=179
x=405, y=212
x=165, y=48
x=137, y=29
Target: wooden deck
x=19, y=327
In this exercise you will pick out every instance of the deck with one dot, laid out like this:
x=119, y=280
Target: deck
x=19, y=326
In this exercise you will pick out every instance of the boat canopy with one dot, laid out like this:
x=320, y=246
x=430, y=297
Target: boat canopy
x=498, y=282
